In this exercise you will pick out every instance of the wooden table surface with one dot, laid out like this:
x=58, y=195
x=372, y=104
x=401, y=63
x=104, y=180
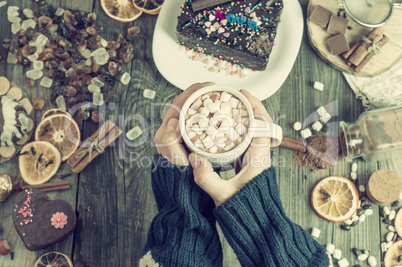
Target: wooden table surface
x=113, y=196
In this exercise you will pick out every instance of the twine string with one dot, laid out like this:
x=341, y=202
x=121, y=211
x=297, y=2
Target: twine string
x=93, y=144
x=373, y=45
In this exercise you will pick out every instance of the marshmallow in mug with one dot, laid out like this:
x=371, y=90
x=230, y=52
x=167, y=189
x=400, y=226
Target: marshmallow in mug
x=216, y=122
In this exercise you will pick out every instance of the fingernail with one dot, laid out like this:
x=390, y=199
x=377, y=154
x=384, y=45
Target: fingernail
x=208, y=83
x=172, y=125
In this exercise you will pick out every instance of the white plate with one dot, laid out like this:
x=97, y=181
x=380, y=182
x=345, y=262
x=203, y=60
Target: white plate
x=181, y=71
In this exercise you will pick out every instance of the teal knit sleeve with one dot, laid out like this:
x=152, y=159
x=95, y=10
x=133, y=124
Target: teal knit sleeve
x=256, y=226
x=183, y=233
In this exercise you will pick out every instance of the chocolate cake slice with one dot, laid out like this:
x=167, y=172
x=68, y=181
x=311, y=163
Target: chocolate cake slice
x=242, y=32
x=41, y=222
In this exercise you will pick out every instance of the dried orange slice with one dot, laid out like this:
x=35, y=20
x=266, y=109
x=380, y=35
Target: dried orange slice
x=335, y=199
x=53, y=111
x=151, y=7
x=38, y=162
x=121, y=10
x=54, y=259
x=398, y=223
x=62, y=131
x=393, y=254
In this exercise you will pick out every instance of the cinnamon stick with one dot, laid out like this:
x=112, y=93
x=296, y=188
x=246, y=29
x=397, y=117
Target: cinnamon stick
x=347, y=54
x=56, y=188
x=105, y=137
x=47, y=185
x=361, y=52
x=293, y=144
x=363, y=63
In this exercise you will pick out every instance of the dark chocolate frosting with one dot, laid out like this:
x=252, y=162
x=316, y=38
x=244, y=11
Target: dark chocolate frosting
x=249, y=25
x=32, y=213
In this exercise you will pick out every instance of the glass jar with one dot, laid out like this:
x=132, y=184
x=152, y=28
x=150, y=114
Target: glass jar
x=376, y=135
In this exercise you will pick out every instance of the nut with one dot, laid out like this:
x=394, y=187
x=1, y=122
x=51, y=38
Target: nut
x=5, y=247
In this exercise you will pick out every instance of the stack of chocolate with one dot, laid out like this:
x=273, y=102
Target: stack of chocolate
x=336, y=25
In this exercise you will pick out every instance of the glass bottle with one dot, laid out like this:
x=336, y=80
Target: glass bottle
x=376, y=135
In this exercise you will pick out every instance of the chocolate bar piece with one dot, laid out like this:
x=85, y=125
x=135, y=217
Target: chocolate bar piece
x=337, y=25
x=320, y=16
x=338, y=44
x=203, y=4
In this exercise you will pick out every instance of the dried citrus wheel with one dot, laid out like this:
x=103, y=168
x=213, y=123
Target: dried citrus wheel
x=38, y=162
x=149, y=6
x=335, y=199
x=398, y=223
x=54, y=259
x=393, y=254
x=62, y=131
x=54, y=111
x=121, y=10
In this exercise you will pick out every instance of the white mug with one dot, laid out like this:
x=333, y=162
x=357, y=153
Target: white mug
x=256, y=128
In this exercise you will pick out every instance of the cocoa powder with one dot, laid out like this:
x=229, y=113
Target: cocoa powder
x=322, y=152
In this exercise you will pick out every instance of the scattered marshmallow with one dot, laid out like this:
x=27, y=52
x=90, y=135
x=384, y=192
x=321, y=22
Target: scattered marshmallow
x=321, y=111
x=343, y=263
x=317, y=126
x=362, y=217
x=306, y=133
x=324, y=119
x=391, y=228
x=362, y=257
x=337, y=254
x=330, y=248
x=353, y=176
x=297, y=126
x=389, y=244
x=319, y=86
x=225, y=97
x=315, y=232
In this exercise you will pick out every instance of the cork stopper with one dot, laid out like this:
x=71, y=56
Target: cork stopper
x=383, y=187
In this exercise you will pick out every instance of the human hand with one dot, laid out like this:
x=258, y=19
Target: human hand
x=167, y=139
x=255, y=160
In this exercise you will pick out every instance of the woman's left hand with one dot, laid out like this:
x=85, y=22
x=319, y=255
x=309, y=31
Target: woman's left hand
x=167, y=139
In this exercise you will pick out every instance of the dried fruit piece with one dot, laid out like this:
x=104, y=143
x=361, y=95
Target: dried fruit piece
x=38, y=102
x=335, y=199
x=53, y=258
x=120, y=10
x=38, y=162
x=62, y=131
x=152, y=7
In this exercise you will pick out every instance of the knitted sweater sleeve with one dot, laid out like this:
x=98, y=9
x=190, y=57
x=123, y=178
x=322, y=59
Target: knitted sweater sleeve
x=183, y=233
x=256, y=226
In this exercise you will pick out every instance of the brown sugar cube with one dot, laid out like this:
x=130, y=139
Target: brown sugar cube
x=320, y=16
x=337, y=25
x=383, y=187
x=338, y=44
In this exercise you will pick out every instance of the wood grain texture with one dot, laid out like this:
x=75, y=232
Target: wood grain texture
x=113, y=195
x=388, y=55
